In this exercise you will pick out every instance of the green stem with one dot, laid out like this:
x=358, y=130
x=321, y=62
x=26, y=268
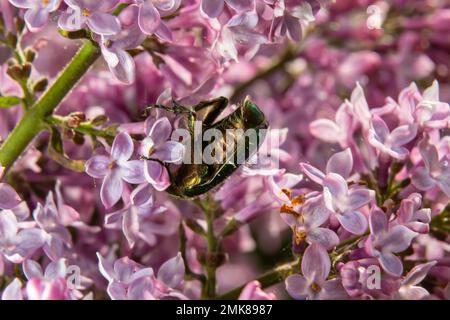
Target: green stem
x=84, y=127
x=32, y=121
x=210, y=284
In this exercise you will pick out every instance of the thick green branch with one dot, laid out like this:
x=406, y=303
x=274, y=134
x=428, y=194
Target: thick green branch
x=32, y=121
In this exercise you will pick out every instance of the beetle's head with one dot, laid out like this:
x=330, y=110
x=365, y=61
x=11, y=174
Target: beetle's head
x=252, y=115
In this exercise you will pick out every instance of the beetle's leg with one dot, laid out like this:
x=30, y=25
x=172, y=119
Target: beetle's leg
x=210, y=110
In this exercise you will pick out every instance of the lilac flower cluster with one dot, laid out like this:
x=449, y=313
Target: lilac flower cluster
x=350, y=187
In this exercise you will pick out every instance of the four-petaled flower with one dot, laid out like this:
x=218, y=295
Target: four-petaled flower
x=345, y=202
x=391, y=143
x=115, y=168
x=436, y=171
x=385, y=240
x=157, y=147
x=129, y=280
x=313, y=284
x=142, y=218
x=37, y=13
x=92, y=13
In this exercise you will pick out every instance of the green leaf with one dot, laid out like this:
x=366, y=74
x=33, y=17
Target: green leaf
x=56, y=152
x=9, y=101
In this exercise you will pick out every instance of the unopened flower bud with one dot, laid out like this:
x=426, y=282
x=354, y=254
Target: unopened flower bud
x=26, y=69
x=40, y=85
x=78, y=139
x=74, y=119
x=30, y=54
x=20, y=24
x=15, y=71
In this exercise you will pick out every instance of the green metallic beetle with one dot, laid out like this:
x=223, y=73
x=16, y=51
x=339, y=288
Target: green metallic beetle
x=192, y=180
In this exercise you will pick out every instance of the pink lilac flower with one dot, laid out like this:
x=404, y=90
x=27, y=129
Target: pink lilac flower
x=17, y=240
x=94, y=14
x=253, y=291
x=129, y=280
x=120, y=62
x=436, y=171
x=412, y=215
x=409, y=289
x=306, y=220
x=53, y=218
x=289, y=17
x=150, y=14
x=386, y=240
x=37, y=13
x=213, y=8
x=345, y=202
x=340, y=163
x=391, y=143
x=115, y=168
x=142, y=218
x=53, y=283
x=239, y=30
x=313, y=284
x=158, y=146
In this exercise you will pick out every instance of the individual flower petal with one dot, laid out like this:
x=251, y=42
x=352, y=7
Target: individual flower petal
x=313, y=173
x=133, y=171
x=125, y=69
x=130, y=226
x=98, y=166
x=297, y=287
x=333, y=290
x=112, y=188
x=157, y=175
x=122, y=147
x=103, y=24
x=36, y=18
x=391, y=264
x=160, y=131
x=32, y=269
x=8, y=197
x=171, y=152
x=316, y=264
x=325, y=130
x=354, y=222
x=13, y=291
x=212, y=8
x=341, y=163
x=403, y=134
x=358, y=198
x=253, y=291
x=326, y=237
x=23, y=4
x=422, y=180
x=106, y=268
x=172, y=271
x=149, y=18
x=398, y=239
x=378, y=221
x=418, y=273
